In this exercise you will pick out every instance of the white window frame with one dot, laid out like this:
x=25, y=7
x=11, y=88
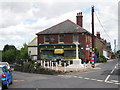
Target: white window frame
x=59, y=38
x=77, y=37
x=45, y=39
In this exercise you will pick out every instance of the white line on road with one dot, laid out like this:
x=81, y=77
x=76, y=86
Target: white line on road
x=75, y=76
x=109, y=82
x=93, y=79
x=80, y=77
x=115, y=81
x=100, y=80
x=107, y=78
x=109, y=74
x=87, y=78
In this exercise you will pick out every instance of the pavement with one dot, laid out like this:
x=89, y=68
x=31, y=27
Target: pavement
x=104, y=75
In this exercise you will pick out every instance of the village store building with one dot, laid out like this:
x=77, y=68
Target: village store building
x=58, y=40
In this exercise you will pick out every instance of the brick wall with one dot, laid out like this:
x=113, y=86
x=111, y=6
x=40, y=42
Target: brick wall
x=68, y=38
x=55, y=39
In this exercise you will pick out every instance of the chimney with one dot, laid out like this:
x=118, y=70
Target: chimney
x=79, y=19
x=98, y=35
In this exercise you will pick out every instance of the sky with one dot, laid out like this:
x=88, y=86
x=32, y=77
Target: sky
x=20, y=20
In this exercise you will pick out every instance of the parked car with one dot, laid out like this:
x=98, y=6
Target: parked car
x=6, y=76
x=6, y=64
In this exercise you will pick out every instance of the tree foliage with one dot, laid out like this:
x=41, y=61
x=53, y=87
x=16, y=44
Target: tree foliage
x=9, y=53
x=24, y=52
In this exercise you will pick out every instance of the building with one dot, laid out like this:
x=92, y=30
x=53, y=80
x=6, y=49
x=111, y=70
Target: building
x=103, y=46
x=0, y=55
x=32, y=49
x=58, y=40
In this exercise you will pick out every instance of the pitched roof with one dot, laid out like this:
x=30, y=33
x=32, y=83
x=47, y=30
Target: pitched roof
x=66, y=26
x=33, y=42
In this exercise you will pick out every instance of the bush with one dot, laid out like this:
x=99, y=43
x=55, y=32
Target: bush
x=101, y=59
x=26, y=66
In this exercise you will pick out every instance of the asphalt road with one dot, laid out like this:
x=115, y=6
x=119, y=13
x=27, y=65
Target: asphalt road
x=105, y=75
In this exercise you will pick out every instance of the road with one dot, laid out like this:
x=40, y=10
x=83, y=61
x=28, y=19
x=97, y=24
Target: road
x=105, y=75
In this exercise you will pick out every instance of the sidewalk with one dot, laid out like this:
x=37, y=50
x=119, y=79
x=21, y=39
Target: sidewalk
x=60, y=68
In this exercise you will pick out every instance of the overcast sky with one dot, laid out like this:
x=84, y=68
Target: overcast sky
x=20, y=21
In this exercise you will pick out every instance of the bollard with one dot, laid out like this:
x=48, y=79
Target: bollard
x=56, y=67
x=64, y=67
x=52, y=65
x=59, y=63
x=68, y=62
x=44, y=63
x=47, y=64
x=41, y=62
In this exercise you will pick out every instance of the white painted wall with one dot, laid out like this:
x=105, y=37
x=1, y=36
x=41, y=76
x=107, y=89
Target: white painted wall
x=33, y=51
x=105, y=53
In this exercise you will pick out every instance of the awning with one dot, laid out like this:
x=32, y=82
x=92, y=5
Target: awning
x=58, y=51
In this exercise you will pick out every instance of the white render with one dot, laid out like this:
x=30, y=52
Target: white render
x=32, y=49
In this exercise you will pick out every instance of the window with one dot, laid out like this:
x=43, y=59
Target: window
x=46, y=38
x=61, y=38
x=75, y=37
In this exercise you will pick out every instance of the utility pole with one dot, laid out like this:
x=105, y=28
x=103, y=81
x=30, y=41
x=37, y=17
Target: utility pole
x=93, y=39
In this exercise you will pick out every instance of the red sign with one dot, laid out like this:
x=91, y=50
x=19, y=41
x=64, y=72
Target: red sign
x=88, y=42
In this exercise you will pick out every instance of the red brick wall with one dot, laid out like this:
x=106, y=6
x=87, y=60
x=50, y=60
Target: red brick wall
x=82, y=40
x=68, y=38
x=55, y=39
x=41, y=39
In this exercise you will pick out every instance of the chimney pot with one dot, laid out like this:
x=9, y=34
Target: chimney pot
x=79, y=19
x=98, y=35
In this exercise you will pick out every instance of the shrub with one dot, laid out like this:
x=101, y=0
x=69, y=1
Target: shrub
x=101, y=59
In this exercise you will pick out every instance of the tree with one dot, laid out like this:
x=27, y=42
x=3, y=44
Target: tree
x=9, y=53
x=9, y=56
x=24, y=52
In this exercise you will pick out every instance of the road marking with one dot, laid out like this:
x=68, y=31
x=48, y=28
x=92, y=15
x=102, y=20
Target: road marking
x=100, y=80
x=112, y=71
x=115, y=81
x=93, y=79
x=80, y=77
x=107, y=78
x=75, y=76
x=60, y=75
x=109, y=82
x=87, y=78
x=109, y=74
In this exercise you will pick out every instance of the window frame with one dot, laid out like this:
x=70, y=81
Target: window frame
x=77, y=35
x=45, y=39
x=59, y=38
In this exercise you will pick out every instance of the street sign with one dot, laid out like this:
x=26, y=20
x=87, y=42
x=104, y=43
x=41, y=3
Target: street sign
x=87, y=48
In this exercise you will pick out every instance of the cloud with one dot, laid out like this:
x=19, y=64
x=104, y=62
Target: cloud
x=22, y=20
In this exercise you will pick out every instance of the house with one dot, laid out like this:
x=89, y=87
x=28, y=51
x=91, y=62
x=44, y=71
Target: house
x=103, y=46
x=32, y=49
x=0, y=55
x=58, y=40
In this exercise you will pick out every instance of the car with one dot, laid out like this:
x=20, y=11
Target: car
x=5, y=64
x=6, y=76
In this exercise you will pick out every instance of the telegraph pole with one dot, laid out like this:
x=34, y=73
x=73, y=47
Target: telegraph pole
x=93, y=39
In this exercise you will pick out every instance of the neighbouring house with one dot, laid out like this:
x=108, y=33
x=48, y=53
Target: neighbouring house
x=58, y=40
x=0, y=55
x=103, y=46
x=32, y=49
